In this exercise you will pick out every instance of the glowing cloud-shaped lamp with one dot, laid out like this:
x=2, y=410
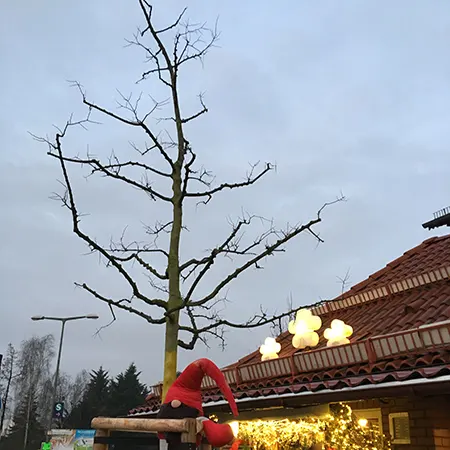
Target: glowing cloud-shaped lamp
x=270, y=349
x=338, y=334
x=304, y=329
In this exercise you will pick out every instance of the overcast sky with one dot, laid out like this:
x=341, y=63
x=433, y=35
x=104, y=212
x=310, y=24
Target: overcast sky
x=344, y=96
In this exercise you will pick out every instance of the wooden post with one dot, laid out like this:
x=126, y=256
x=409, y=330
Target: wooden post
x=190, y=435
x=101, y=433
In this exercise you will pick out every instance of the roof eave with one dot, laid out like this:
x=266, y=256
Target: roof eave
x=427, y=386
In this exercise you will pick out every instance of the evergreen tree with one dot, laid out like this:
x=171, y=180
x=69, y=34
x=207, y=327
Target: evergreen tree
x=126, y=392
x=26, y=431
x=94, y=403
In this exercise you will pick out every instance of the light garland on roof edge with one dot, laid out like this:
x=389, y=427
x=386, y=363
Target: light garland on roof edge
x=340, y=430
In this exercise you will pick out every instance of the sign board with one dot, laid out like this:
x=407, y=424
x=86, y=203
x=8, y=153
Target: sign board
x=58, y=410
x=72, y=439
x=46, y=446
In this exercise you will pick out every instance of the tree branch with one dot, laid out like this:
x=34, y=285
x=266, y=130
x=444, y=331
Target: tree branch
x=231, y=246
x=144, y=264
x=117, y=166
x=256, y=321
x=134, y=123
x=204, y=110
x=250, y=179
x=285, y=236
x=68, y=201
x=121, y=305
x=200, y=335
x=98, y=167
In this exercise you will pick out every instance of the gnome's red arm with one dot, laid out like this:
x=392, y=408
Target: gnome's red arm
x=217, y=434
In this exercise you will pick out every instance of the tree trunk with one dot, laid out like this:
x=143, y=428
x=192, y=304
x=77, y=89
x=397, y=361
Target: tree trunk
x=170, y=352
x=5, y=398
x=175, y=300
x=27, y=424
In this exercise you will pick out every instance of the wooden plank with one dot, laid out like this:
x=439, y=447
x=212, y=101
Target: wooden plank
x=144, y=425
x=98, y=446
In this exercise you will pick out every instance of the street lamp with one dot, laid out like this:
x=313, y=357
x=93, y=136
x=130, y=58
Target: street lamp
x=63, y=321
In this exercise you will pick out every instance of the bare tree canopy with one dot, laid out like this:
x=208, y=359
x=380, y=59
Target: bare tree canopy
x=176, y=285
x=34, y=362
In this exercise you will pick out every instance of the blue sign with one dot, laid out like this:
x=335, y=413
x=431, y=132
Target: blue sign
x=84, y=434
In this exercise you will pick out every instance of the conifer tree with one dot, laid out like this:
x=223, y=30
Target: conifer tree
x=94, y=403
x=26, y=432
x=126, y=392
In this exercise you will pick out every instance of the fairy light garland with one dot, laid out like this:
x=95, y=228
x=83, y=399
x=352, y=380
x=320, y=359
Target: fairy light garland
x=338, y=431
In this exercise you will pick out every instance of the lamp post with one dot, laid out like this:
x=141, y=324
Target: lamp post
x=63, y=321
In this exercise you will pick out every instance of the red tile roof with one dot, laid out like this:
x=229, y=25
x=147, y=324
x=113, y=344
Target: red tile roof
x=411, y=291
x=425, y=304
x=427, y=366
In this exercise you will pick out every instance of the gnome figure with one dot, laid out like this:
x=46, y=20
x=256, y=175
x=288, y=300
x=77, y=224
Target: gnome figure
x=184, y=400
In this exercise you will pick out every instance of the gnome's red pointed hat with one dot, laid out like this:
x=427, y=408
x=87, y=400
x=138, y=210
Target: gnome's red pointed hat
x=187, y=388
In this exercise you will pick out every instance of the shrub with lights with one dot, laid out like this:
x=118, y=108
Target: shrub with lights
x=338, y=431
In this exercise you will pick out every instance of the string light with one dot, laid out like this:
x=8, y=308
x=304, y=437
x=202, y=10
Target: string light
x=363, y=422
x=339, y=430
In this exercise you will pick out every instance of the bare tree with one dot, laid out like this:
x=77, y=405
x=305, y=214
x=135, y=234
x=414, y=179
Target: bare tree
x=45, y=395
x=34, y=362
x=78, y=388
x=180, y=283
x=69, y=391
x=8, y=374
